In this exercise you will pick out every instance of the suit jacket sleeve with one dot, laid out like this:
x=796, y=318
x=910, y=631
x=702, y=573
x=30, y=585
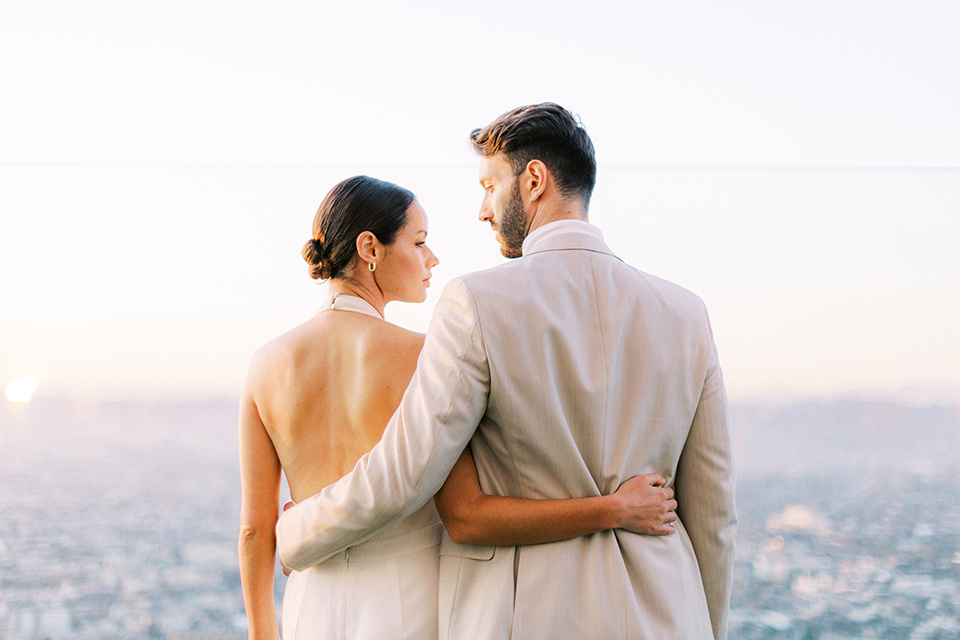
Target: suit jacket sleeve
x=438, y=415
x=705, y=492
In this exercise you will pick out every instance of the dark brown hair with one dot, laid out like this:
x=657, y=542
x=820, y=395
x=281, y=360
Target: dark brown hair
x=545, y=132
x=355, y=205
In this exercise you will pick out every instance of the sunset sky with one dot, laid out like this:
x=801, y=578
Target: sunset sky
x=796, y=165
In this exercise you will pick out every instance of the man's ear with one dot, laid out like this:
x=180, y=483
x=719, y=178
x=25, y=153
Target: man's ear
x=533, y=180
x=369, y=249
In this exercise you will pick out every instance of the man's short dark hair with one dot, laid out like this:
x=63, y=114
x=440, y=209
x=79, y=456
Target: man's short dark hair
x=545, y=132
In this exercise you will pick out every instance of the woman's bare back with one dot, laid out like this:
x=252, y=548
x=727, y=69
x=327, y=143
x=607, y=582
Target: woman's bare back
x=326, y=390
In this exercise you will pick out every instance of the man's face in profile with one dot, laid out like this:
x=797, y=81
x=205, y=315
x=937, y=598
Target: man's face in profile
x=502, y=205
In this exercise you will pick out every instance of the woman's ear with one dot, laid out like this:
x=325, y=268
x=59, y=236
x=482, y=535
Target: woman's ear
x=369, y=249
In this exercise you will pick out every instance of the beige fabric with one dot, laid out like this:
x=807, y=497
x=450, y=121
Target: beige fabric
x=385, y=588
x=569, y=372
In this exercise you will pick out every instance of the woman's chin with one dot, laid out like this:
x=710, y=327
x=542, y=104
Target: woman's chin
x=413, y=298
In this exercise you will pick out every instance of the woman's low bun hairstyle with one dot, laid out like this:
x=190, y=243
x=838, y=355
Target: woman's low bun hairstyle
x=353, y=206
x=313, y=254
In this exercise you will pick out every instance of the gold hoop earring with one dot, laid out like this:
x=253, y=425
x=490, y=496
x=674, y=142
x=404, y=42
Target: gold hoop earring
x=372, y=266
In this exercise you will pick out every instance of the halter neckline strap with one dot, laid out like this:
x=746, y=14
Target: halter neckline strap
x=344, y=302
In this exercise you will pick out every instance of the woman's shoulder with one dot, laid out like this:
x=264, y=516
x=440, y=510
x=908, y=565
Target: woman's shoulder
x=381, y=341
x=391, y=332
x=333, y=332
x=288, y=346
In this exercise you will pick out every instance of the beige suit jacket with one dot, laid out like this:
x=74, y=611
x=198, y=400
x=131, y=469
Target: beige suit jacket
x=569, y=372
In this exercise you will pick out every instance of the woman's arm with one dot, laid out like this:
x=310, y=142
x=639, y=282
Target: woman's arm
x=641, y=505
x=260, y=498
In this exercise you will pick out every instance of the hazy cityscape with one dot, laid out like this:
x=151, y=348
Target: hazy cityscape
x=120, y=521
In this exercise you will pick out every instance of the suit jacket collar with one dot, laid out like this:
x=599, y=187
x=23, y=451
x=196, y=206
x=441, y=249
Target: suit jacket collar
x=565, y=235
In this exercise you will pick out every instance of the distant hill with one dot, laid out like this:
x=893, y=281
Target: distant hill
x=803, y=437
x=844, y=435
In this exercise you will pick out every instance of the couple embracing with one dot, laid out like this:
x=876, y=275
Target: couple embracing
x=511, y=474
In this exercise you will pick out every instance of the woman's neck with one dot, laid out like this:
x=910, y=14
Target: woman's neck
x=367, y=290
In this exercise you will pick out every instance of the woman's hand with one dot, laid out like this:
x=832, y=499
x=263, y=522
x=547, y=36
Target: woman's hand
x=647, y=505
x=286, y=570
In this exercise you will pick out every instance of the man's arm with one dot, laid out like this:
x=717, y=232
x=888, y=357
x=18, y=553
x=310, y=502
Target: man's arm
x=705, y=492
x=439, y=413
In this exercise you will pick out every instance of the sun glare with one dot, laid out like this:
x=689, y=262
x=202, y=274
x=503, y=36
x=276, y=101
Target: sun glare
x=21, y=390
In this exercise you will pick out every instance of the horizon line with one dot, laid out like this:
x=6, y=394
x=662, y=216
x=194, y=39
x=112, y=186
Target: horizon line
x=944, y=398
x=614, y=166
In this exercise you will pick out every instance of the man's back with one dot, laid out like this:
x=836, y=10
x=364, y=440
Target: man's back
x=596, y=373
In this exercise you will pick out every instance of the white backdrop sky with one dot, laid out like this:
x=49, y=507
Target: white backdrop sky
x=797, y=165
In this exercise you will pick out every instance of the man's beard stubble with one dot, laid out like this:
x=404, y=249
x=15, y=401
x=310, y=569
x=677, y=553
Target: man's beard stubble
x=513, y=225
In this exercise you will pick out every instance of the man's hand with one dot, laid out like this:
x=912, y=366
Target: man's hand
x=647, y=505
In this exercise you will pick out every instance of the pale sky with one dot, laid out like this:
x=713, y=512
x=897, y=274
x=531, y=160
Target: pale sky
x=798, y=166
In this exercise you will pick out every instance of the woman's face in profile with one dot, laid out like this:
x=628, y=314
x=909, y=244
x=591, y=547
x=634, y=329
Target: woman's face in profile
x=404, y=273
